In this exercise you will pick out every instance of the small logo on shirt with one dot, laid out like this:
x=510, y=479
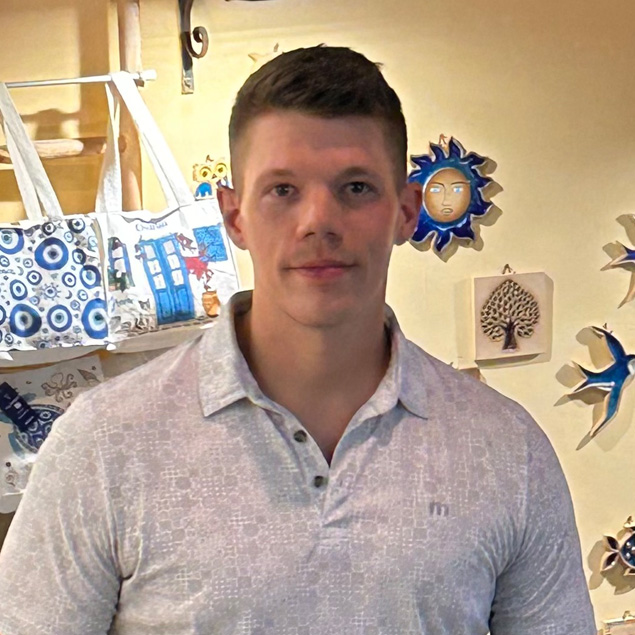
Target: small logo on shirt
x=439, y=509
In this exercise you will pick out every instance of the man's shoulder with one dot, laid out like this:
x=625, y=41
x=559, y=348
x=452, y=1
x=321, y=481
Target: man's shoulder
x=144, y=387
x=464, y=401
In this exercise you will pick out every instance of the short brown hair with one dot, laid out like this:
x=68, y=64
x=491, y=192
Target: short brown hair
x=326, y=82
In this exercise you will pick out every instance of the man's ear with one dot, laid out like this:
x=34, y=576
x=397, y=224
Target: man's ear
x=410, y=201
x=229, y=204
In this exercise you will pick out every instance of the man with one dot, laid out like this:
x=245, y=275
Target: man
x=302, y=468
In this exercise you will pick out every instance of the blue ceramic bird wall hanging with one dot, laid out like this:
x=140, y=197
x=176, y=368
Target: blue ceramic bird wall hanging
x=611, y=379
x=626, y=260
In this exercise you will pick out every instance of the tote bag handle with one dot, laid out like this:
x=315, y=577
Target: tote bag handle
x=173, y=184
x=33, y=182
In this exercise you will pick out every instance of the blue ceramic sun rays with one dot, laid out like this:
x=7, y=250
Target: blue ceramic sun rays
x=453, y=186
x=612, y=379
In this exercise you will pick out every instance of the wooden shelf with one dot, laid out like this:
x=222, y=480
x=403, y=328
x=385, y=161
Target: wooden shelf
x=64, y=148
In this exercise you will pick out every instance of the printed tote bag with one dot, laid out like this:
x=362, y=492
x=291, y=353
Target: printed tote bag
x=52, y=297
x=166, y=274
x=30, y=403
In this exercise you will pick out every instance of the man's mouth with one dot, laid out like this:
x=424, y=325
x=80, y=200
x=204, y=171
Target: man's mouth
x=322, y=269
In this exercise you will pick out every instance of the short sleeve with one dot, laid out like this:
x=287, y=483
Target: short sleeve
x=58, y=572
x=543, y=590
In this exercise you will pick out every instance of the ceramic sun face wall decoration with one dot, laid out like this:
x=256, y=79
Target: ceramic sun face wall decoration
x=512, y=315
x=453, y=182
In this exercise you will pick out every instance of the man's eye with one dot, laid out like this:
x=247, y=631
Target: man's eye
x=359, y=187
x=458, y=189
x=435, y=189
x=282, y=190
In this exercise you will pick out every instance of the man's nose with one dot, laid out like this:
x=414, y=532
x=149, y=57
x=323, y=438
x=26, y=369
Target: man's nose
x=321, y=214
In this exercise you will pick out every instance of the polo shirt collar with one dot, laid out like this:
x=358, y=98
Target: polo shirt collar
x=224, y=376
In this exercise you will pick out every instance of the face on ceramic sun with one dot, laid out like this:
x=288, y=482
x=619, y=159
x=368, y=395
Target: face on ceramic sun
x=452, y=194
x=447, y=195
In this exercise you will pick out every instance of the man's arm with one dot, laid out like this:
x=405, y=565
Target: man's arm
x=58, y=571
x=543, y=590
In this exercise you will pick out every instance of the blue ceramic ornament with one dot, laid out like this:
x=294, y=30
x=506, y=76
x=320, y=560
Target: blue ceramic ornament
x=453, y=184
x=626, y=260
x=621, y=551
x=611, y=380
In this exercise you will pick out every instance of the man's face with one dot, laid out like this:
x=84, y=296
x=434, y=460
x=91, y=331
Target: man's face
x=319, y=210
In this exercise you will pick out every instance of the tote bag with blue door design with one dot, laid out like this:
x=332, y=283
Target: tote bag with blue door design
x=166, y=270
x=51, y=290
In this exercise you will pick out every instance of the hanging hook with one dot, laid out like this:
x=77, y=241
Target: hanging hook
x=507, y=269
x=199, y=34
x=188, y=35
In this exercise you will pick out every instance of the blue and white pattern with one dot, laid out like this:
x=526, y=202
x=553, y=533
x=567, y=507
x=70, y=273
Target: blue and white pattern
x=30, y=404
x=51, y=291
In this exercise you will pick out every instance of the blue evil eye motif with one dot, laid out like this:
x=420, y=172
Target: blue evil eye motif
x=82, y=295
x=453, y=182
x=34, y=277
x=51, y=254
x=9, y=339
x=69, y=280
x=90, y=276
x=3, y=315
x=48, y=229
x=76, y=225
x=24, y=320
x=59, y=318
x=4, y=261
x=27, y=262
x=75, y=305
x=95, y=319
x=92, y=243
x=18, y=290
x=68, y=237
x=11, y=240
x=34, y=300
x=79, y=257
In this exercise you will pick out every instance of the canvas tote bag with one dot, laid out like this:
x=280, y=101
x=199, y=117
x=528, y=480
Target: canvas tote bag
x=52, y=296
x=30, y=403
x=168, y=273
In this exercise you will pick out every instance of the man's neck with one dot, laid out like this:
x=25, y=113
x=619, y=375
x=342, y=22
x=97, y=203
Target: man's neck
x=321, y=375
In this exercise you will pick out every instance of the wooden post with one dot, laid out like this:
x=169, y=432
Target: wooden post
x=130, y=60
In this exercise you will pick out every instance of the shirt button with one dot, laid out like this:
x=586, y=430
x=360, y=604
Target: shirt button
x=300, y=436
x=319, y=481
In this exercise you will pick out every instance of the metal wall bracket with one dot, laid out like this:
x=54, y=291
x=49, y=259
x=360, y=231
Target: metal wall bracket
x=188, y=52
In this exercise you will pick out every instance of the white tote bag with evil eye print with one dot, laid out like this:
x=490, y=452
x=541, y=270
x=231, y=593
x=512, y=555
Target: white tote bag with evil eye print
x=52, y=299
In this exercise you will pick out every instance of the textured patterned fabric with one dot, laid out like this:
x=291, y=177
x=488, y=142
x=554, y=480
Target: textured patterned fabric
x=165, y=505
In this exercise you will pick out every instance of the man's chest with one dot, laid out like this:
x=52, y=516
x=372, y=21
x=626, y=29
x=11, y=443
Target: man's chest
x=373, y=532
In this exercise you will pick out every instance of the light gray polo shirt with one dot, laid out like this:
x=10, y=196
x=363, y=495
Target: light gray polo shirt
x=177, y=499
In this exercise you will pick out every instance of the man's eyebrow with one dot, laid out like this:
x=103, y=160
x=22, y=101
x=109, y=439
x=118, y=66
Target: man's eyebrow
x=459, y=183
x=276, y=172
x=357, y=170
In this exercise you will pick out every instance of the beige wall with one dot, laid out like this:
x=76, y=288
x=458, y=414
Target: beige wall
x=544, y=88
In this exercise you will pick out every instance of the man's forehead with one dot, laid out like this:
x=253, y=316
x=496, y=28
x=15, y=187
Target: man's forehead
x=278, y=137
